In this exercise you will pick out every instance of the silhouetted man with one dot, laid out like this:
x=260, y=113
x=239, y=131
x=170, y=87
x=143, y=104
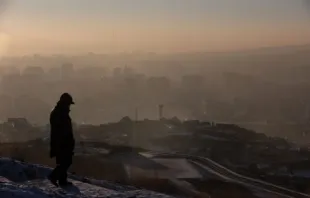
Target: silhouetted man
x=62, y=141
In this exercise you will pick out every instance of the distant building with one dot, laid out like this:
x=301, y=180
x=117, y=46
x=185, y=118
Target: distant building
x=10, y=84
x=239, y=83
x=67, y=71
x=12, y=70
x=158, y=84
x=117, y=72
x=92, y=72
x=192, y=82
x=54, y=74
x=134, y=82
x=33, y=71
x=19, y=123
x=128, y=71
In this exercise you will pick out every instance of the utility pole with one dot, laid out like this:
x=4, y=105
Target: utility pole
x=134, y=131
x=136, y=114
x=160, y=111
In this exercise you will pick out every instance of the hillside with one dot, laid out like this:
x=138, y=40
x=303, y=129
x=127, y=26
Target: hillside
x=22, y=180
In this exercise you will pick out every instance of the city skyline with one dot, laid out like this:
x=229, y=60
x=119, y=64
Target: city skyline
x=106, y=26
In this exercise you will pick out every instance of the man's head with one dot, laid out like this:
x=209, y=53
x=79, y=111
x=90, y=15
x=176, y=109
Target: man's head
x=66, y=99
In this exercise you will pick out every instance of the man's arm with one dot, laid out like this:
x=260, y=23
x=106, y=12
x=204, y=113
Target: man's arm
x=55, y=141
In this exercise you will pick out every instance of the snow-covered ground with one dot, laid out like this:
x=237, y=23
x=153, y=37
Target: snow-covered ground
x=22, y=180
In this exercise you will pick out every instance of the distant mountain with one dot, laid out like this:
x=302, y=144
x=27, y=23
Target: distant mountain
x=180, y=56
x=275, y=50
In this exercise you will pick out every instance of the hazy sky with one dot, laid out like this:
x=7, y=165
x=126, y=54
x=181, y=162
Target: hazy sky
x=77, y=26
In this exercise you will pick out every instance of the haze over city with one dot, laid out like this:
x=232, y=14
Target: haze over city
x=106, y=26
x=155, y=98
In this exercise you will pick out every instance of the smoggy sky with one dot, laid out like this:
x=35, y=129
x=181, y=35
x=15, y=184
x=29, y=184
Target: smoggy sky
x=78, y=26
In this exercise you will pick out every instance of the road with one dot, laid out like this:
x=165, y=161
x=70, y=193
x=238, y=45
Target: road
x=229, y=175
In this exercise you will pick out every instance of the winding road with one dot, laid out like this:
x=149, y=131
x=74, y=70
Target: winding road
x=229, y=175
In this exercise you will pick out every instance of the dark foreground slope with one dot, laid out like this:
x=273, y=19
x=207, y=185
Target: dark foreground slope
x=22, y=180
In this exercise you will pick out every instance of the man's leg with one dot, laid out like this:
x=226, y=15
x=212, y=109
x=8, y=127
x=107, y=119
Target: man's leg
x=64, y=166
x=54, y=176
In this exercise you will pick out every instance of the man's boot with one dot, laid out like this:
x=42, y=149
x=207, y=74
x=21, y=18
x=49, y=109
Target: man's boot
x=63, y=181
x=52, y=179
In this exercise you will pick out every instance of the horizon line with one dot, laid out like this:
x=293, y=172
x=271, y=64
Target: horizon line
x=133, y=52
